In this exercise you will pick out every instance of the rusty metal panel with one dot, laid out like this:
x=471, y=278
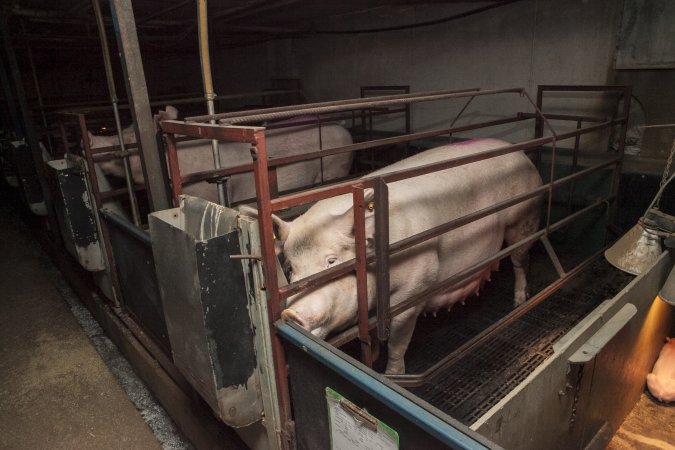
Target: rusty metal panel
x=206, y=306
x=74, y=213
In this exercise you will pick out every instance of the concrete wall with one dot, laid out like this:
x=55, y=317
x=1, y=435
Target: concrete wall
x=518, y=45
x=522, y=44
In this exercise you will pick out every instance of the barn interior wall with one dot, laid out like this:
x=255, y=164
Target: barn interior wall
x=522, y=44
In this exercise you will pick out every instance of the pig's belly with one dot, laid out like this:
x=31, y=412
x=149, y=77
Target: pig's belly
x=461, y=292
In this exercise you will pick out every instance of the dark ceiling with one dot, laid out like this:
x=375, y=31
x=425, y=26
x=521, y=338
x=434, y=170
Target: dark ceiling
x=56, y=23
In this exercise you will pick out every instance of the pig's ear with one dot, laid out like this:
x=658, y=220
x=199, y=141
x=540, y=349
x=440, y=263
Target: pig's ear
x=345, y=220
x=283, y=227
x=171, y=112
x=90, y=140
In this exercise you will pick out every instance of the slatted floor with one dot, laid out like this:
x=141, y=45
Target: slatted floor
x=479, y=380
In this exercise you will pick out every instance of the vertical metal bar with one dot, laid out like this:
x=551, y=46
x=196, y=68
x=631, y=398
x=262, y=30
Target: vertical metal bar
x=538, y=124
x=64, y=137
x=550, y=187
x=553, y=256
x=382, y=258
x=98, y=204
x=461, y=111
x=208, y=86
x=114, y=100
x=38, y=93
x=259, y=154
x=575, y=163
x=361, y=274
x=9, y=98
x=627, y=95
x=273, y=179
x=408, y=126
x=137, y=92
x=174, y=167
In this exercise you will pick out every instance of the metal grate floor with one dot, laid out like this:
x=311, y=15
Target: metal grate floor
x=482, y=378
x=479, y=380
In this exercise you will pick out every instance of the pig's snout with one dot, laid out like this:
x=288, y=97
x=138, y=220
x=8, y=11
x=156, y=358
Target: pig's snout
x=289, y=315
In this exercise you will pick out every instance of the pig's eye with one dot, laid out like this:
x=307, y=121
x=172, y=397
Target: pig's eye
x=331, y=261
x=288, y=271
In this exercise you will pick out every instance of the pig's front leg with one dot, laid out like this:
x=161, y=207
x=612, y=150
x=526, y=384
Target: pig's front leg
x=407, y=281
x=402, y=327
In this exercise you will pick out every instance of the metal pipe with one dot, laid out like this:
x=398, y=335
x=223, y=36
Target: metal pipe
x=357, y=101
x=38, y=93
x=361, y=274
x=259, y=155
x=208, y=87
x=364, y=103
x=343, y=188
x=9, y=97
x=381, y=207
x=113, y=99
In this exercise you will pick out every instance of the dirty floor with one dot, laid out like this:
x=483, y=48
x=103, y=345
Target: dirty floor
x=56, y=391
x=649, y=426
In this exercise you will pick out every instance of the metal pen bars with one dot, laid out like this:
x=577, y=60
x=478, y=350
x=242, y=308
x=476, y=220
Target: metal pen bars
x=269, y=202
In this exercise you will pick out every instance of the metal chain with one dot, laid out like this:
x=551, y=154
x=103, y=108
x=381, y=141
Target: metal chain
x=666, y=171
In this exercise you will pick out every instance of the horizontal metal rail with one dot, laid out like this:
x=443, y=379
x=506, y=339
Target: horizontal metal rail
x=581, y=88
x=297, y=199
x=569, y=117
x=181, y=101
x=281, y=109
x=211, y=131
x=364, y=103
x=346, y=267
x=196, y=177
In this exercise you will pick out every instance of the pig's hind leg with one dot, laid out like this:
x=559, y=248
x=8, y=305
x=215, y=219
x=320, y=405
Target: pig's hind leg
x=527, y=225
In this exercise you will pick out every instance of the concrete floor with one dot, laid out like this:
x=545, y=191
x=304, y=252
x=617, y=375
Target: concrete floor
x=56, y=391
x=650, y=425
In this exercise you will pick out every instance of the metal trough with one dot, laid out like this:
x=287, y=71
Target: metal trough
x=75, y=213
x=214, y=309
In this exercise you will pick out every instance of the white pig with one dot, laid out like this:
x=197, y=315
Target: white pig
x=323, y=237
x=661, y=382
x=197, y=155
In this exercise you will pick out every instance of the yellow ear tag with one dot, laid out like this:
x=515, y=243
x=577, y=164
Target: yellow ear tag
x=371, y=205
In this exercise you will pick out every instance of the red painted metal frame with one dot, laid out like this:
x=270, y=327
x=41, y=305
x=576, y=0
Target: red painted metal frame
x=267, y=204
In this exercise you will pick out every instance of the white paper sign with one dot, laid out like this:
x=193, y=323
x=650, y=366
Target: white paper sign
x=352, y=428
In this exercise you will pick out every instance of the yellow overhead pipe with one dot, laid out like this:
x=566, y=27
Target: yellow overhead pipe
x=208, y=86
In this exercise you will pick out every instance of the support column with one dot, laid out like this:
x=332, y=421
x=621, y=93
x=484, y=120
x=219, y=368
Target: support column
x=137, y=92
x=28, y=131
x=15, y=120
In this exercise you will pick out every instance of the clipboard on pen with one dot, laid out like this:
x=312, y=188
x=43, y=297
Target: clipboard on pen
x=353, y=428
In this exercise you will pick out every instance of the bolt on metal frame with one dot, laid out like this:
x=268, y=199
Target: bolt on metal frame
x=268, y=202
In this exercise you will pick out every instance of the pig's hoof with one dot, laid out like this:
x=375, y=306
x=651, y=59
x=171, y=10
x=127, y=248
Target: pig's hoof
x=520, y=298
x=395, y=369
